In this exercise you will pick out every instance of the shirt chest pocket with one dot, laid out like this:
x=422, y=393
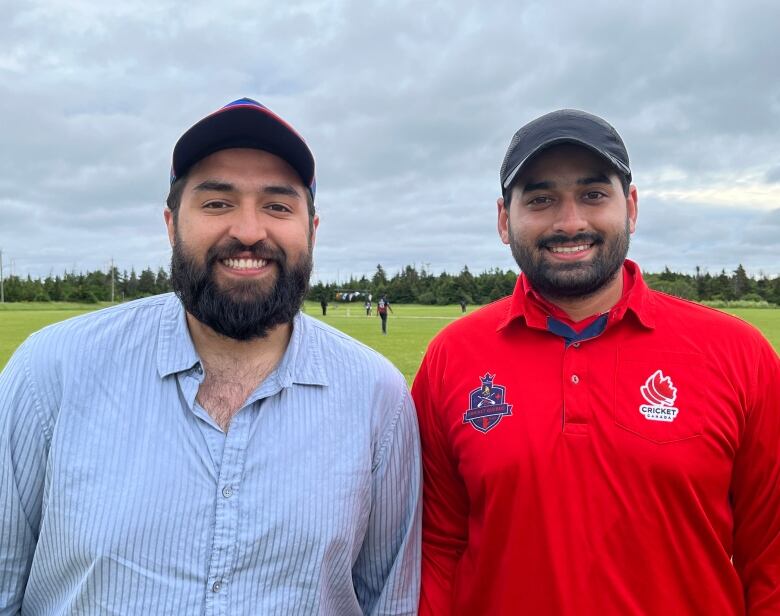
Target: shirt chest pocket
x=659, y=394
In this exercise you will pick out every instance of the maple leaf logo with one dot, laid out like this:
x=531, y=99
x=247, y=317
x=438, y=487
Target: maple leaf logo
x=659, y=390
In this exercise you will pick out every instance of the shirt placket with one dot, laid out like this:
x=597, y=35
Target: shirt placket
x=228, y=493
x=576, y=407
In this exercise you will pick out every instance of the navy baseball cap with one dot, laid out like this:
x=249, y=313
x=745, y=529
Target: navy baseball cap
x=564, y=126
x=244, y=123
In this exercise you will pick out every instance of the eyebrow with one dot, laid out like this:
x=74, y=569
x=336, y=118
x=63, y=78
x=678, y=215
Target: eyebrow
x=284, y=189
x=532, y=186
x=214, y=186
x=226, y=187
x=596, y=179
x=586, y=181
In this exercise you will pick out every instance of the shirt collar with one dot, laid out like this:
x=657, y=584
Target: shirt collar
x=527, y=304
x=302, y=361
x=175, y=350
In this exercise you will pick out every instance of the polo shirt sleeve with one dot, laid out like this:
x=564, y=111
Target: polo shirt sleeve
x=445, y=502
x=387, y=572
x=23, y=452
x=755, y=489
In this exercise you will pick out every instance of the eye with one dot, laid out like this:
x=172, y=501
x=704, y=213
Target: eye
x=278, y=207
x=216, y=205
x=594, y=195
x=537, y=203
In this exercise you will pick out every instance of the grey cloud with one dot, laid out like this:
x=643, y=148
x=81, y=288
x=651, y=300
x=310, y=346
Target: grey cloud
x=408, y=107
x=773, y=175
x=684, y=235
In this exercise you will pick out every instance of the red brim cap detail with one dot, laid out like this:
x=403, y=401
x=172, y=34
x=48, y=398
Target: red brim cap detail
x=244, y=123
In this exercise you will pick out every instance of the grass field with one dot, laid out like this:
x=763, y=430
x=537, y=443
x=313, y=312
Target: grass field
x=19, y=320
x=410, y=327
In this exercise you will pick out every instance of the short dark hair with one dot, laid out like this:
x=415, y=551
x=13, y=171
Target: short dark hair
x=173, y=201
x=624, y=183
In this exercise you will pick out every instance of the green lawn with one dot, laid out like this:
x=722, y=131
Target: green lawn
x=19, y=320
x=767, y=320
x=410, y=327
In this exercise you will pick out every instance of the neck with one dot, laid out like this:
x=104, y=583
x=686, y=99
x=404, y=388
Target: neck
x=579, y=308
x=217, y=350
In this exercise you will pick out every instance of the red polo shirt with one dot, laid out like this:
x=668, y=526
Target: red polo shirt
x=616, y=473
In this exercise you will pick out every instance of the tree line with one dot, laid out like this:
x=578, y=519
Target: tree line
x=422, y=287
x=408, y=285
x=88, y=288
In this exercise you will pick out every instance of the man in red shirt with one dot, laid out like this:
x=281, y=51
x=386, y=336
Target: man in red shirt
x=592, y=447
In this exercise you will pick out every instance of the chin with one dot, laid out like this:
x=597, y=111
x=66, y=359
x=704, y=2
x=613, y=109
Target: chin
x=245, y=285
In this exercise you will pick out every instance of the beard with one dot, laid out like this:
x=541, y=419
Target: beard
x=576, y=279
x=244, y=310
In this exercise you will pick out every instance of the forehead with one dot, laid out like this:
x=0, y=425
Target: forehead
x=562, y=161
x=245, y=166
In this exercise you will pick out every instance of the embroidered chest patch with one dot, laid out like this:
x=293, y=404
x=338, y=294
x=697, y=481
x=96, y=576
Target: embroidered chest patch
x=487, y=405
x=660, y=394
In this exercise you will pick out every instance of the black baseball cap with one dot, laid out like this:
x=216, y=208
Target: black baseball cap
x=564, y=126
x=244, y=123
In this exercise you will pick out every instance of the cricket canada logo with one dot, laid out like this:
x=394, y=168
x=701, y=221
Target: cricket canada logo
x=660, y=394
x=486, y=405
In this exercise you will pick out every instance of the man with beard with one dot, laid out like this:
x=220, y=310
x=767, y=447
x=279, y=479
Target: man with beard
x=213, y=451
x=592, y=447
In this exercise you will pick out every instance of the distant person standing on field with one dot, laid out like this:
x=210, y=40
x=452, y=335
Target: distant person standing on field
x=463, y=305
x=382, y=306
x=368, y=307
x=324, y=306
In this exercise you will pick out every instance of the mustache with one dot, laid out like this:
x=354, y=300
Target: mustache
x=579, y=238
x=233, y=248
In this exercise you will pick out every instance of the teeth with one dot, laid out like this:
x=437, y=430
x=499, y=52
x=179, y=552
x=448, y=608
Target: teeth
x=242, y=264
x=565, y=249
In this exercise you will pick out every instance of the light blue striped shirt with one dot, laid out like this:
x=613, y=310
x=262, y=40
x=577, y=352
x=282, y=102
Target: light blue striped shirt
x=120, y=495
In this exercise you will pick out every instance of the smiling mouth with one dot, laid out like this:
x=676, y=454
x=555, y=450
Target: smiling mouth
x=569, y=249
x=244, y=264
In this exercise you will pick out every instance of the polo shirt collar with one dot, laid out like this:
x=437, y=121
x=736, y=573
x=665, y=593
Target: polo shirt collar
x=524, y=302
x=301, y=363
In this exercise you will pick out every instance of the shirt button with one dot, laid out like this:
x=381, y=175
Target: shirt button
x=199, y=369
x=575, y=379
x=227, y=491
x=216, y=587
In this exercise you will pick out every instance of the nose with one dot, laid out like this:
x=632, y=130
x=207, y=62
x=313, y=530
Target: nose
x=247, y=226
x=570, y=218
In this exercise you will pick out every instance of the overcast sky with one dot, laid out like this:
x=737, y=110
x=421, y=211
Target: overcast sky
x=408, y=107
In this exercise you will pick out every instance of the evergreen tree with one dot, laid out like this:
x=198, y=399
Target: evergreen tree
x=147, y=283
x=741, y=283
x=162, y=282
x=131, y=286
x=380, y=278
